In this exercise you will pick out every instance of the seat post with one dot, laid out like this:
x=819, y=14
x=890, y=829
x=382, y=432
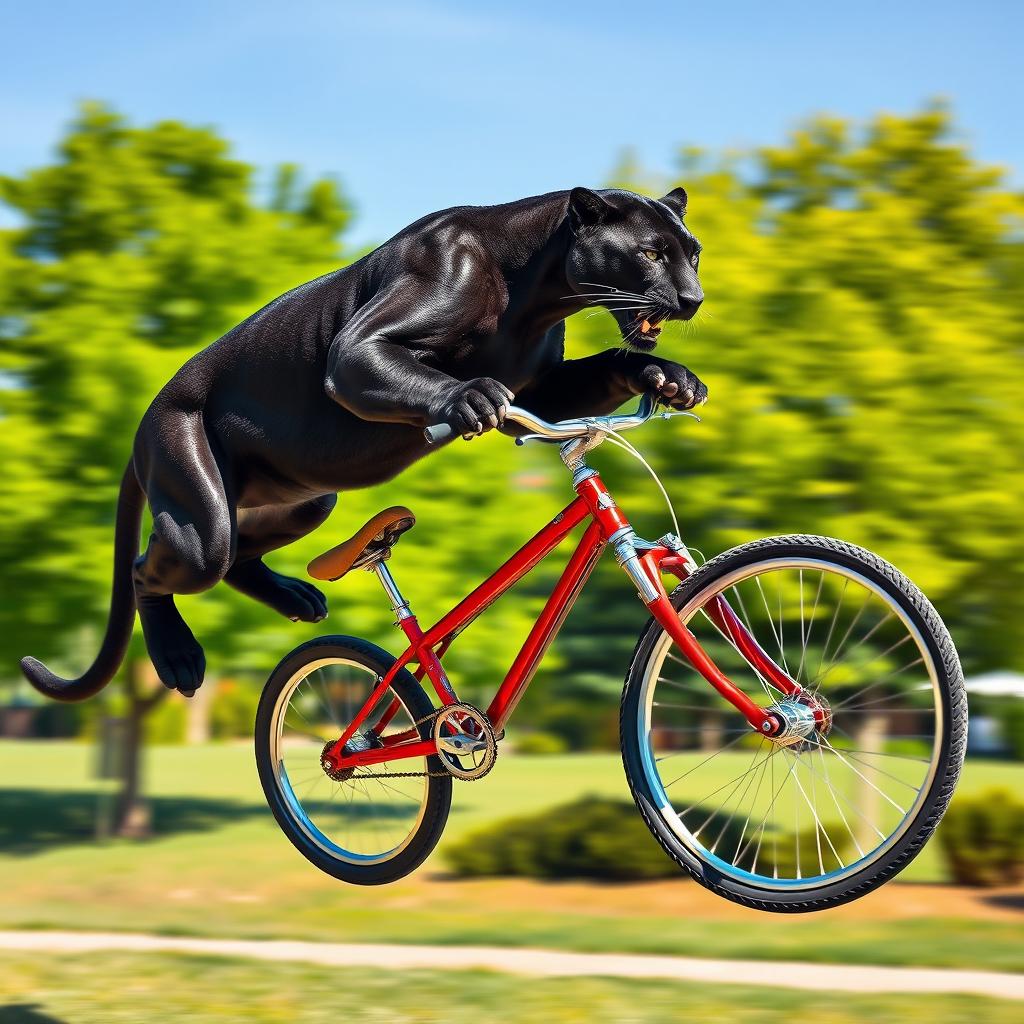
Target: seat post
x=387, y=581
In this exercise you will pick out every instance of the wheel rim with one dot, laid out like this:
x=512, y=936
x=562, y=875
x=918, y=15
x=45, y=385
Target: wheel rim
x=798, y=817
x=360, y=820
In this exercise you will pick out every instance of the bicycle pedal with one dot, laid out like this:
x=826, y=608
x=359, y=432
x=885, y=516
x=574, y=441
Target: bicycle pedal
x=461, y=743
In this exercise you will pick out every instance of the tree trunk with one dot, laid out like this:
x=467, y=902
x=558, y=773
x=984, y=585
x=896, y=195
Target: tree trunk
x=711, y=730
x=132, y=816
x=197, y=714
x=870, y=736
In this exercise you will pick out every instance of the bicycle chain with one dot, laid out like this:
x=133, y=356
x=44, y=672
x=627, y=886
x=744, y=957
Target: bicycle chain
x=355, y=774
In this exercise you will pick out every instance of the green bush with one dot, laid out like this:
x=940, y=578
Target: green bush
x=233, y=711
x=589, y=838
x=1011, y=723
x=166, y=724
x=582, y=725
x=61, y=721
x=541, y=743
x=982, y=837
x=812, y=845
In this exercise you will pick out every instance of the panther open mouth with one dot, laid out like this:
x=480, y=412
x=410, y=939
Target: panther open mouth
x=649, y=328
x=641, y=330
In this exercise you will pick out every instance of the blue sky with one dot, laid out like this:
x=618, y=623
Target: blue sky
x=417, y=105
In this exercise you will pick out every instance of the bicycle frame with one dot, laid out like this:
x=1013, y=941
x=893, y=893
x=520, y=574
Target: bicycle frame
x=644, y=562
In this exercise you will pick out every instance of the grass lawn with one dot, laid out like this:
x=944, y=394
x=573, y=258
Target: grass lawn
x=219, y=866
x=120, y=987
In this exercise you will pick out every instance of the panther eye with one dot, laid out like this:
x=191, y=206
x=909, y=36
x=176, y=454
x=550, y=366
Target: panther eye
x=652, y=254
x=694, y=260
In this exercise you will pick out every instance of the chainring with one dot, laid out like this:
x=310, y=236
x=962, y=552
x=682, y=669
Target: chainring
x=471, y=723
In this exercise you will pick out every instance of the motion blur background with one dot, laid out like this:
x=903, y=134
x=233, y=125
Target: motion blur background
x=854, y=177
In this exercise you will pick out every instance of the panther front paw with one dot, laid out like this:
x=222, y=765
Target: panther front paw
x=476, y=406
x=673, y=384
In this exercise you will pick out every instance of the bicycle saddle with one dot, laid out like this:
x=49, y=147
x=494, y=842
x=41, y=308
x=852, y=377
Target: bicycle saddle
x=370, y=543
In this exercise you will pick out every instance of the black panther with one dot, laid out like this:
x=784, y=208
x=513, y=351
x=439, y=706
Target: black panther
x=329, y=387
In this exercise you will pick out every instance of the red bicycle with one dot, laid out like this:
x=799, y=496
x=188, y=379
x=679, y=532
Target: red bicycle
x=793, y=721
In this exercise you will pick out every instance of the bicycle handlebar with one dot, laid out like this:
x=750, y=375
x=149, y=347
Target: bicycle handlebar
x=564, y=430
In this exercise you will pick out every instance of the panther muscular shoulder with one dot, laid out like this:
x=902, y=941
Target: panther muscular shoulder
x=328, y=389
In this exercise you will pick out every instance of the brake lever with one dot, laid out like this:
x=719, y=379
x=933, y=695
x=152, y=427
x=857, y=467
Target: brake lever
x=537, y=437
x=669, y=413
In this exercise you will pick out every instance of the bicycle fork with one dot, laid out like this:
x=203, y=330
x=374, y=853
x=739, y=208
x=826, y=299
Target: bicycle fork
x=644, y=562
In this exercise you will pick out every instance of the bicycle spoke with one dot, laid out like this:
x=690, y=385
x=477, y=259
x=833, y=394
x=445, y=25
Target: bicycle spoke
x=688, y=686
x=831, y=628
x=732, y=643
x=775, y=797
x=881, y=792
x=750, y=633
x=835, y=800
x=853, y=807
x=818, y=826
x=811, y=819
x=360, y=816
x=892, y=675
x=880, y=771
x=771, y=623
x=725, y=706
x=739, y=802
x=846, y=636
x=710, y=757
x=753, y=804
x=885, y=753
x=732, y=782
x=860, y=643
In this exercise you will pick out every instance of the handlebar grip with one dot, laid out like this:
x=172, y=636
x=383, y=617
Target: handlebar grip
x=438, y=432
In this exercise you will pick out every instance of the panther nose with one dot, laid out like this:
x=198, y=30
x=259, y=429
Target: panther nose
x=689, y=302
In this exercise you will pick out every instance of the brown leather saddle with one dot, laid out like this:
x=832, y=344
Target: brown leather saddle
x=370, y=543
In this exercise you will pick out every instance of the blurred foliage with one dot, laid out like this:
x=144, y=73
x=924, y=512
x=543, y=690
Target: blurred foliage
x=592, y=837
x=805, y=853
x=1010, y=716
x=233, y=710
x=541, y=744
x=862, y=343
x=982, y=838
x=595, y=837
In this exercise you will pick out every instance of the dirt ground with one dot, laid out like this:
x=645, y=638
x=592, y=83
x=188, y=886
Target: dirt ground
x=685, y=898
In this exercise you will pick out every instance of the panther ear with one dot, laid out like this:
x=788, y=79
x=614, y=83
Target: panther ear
x=676, y=202
x=586, y=208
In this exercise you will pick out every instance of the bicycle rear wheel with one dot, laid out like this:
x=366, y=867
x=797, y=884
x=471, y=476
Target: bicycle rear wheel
x=821, y=818
x=358, y=828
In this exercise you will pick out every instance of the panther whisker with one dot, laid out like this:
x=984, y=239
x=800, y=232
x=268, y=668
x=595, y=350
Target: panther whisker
x=607, y=309
x=605, y=296
x=612, y=288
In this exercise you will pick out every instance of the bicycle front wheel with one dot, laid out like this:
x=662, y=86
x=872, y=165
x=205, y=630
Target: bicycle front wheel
x=820, y=818
x=360, y=828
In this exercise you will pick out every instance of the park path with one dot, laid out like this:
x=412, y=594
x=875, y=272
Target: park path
x=543, y=962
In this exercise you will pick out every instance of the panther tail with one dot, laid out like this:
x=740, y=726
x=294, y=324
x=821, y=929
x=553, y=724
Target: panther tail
x=130, y=503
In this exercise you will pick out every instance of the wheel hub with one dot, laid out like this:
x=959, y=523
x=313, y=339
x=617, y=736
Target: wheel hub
x=799, y=719
x=359, y=742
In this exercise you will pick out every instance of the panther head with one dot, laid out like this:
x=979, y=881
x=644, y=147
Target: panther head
x=635, y=257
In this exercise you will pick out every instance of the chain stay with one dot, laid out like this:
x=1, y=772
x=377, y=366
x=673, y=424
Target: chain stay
x=356, y=774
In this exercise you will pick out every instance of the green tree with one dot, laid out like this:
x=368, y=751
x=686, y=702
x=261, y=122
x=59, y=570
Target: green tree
x=862, y=346
x=862, y=343
x=134, y=248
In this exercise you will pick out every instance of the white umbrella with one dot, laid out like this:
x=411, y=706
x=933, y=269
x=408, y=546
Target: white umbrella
x=997, y=684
